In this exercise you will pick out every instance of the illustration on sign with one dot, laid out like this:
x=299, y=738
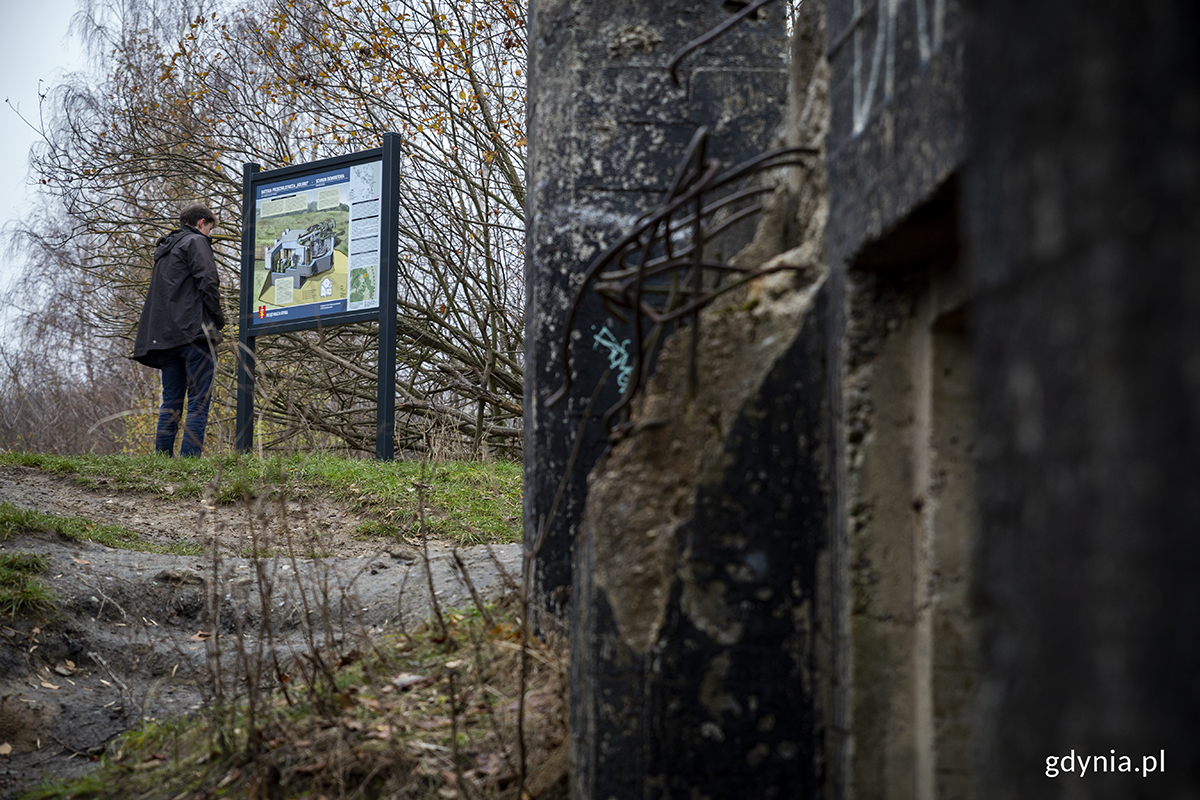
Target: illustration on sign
x=300, y=255
x=317, y=244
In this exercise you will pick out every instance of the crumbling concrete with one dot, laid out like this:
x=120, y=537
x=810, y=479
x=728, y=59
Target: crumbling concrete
x=938, y=500
x=698, y=565
x=607, y=129
x=701, y=647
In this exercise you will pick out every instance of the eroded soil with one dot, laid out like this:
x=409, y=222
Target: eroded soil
x=137, y=634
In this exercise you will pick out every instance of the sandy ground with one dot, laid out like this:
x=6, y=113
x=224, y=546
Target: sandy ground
x=138, y=633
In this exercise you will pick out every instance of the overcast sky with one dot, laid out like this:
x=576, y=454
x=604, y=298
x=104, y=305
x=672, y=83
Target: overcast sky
x=33, y=47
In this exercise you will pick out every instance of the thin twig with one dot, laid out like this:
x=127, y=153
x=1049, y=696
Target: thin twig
x=105, y=599
x=462, y=568
x=104, y=664
x=530, y=555
x=433, y=599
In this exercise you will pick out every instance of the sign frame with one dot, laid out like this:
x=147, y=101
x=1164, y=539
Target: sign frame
x=251, y=323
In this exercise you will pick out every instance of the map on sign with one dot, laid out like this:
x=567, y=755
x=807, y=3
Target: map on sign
x=317, y=244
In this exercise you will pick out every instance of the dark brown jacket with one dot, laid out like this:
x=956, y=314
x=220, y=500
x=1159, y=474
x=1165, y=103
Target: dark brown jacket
x=183, y=304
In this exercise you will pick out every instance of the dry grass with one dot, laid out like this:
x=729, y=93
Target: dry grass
x=464, y=706
x=433, y=714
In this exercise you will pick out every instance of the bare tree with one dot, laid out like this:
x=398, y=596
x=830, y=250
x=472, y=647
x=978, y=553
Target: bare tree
x=62, y=388
x=189, y=96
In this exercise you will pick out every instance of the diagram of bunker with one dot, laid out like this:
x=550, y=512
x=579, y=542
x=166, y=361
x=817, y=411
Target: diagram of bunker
x=300, y=255
x=317, y=243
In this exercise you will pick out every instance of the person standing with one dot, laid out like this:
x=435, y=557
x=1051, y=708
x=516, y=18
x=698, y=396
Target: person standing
x=180, y=328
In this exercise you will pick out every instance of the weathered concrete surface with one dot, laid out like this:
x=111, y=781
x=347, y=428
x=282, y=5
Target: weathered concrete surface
x=607, y=129
x=701, y=575
x=906, y=671
x=1083, y=196
x=910, y=486
x=1076, y=145
x=697, y=571
x=897, y=124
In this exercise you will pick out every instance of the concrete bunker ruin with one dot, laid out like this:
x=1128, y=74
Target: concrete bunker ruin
x=942, y=526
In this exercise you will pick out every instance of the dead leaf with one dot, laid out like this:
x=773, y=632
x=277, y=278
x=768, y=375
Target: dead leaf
x=64, y=670
x=80, y=561
x=382, y=731
x=370, y=702
x=200, y=636
x=504, y=631
x=406, y=680
x=49, y=685
x=5, y=749
x=490, y=764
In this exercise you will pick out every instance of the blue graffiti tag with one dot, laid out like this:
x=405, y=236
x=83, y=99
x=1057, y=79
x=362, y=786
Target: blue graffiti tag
x=618, y=356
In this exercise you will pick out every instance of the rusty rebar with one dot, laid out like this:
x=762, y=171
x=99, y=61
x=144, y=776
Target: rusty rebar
x=647, y=275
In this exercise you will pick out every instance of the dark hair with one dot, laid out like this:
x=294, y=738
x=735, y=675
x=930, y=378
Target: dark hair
x=196, y=213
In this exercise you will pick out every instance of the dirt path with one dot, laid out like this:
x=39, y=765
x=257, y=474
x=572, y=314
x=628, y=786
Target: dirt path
x=137, y=635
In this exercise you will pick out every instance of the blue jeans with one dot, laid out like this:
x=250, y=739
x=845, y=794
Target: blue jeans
x=186, y=370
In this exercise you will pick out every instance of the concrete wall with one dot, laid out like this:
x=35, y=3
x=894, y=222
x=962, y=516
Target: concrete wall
x=981, y=552
x=695, y=660
x=1071, y=160
x=897, y=138
x=697, y=568
x=607, y=128
x=1082, y=195
x=897, y=127
x=909, y=491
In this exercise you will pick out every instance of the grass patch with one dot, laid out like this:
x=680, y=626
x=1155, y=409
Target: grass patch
x=14, y=520
x=422, y=716
x=168, y=477
x=378, y=529
x=21, y=591
x=467, y=502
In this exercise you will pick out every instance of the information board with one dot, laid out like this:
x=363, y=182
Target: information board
x=317, y=244
x=319, y=248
